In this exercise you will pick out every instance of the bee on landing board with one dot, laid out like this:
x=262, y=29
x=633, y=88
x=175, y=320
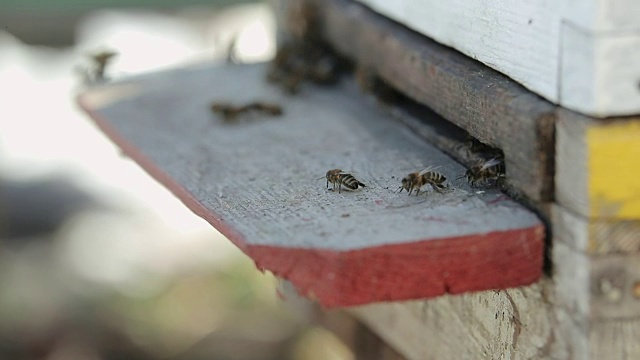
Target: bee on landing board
x=340, y=178
x=418, y=179
x=230, y=112
x=490, y=170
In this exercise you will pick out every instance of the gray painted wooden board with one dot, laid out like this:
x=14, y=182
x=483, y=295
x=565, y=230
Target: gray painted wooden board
x=261, y=182
x=491, y=107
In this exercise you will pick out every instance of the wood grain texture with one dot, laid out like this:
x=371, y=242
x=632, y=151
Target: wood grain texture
x=598, y=164
x=596, y=236
x=492, y=108
x=596, y=287
x=257, y=182
x=597, y=274
x=569, y=317
x=615, y=340
x=363, y=342
x=517, y=38
x=533, y=322
x=512, y=324
x=578, y=54
x=596, y=271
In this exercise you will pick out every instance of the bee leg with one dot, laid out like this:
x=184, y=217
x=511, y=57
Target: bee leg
x=339, y=188
x=501, y=183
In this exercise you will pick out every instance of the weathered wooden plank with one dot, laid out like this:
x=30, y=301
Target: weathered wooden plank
x=363, y=342
x=257, y=182
x=595, y=236
x=596, y=287
x=511, y=324
x=518, y=38
x=584, y=312
x=491, y=107
x=597, y=275
x=579, y=54
x=597, y=298
x=597, y=266
x=598, y=164
x=588, y=311
x=615, y=339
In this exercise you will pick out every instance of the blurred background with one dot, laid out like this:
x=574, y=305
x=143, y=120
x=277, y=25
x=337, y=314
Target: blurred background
x=97, y=260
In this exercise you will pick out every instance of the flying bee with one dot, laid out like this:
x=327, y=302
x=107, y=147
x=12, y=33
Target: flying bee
x=95, y=70
x=418, y=179
x=100, y=61
x=340, y=178
x=492, y=169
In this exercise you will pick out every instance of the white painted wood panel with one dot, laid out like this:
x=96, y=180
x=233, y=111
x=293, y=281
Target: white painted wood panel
x=580, y=54
x=602, y=15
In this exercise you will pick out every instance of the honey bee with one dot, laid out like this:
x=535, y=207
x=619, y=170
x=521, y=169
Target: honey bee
x=340, y=178
x=295, y=63
x=418, y=179
x=101, y=60
x=305, y=56
x=490, y=170
x=232, y=53
x=94, y=71
x=370, y=83
x=230, y=112
x=268, y=108
x=473, y=149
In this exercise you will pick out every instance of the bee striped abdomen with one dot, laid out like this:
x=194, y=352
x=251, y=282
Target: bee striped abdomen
x=434, y=177
x=349, y=181
x=491, y=170
x=416, y=180
x=337, y=177
x=436, y=180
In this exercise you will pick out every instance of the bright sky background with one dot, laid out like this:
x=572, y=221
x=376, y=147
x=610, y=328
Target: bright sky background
x=42, y=132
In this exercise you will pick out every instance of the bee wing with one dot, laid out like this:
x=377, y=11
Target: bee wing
x=490, y=163
x=428, y=168
x=347, y=172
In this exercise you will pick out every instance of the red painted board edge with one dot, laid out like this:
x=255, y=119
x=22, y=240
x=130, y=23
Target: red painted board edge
x=415, y=270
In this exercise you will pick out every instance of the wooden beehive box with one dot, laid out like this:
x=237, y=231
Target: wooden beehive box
x=524, y=78
x=578, y=172
x=581, y=55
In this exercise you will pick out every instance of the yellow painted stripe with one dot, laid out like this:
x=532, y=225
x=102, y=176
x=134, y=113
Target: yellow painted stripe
x=614, y=169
